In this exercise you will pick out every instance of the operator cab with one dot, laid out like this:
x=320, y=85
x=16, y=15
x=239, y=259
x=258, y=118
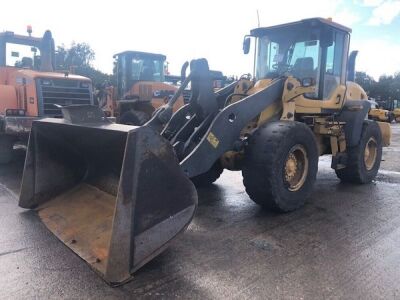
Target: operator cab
x=134, y=66
x=27, y=52
x=314, y=51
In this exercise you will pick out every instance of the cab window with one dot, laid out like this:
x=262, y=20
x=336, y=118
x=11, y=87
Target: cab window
x=22, y=56
x=147, y=69
x=305, y=61
x=333, y=68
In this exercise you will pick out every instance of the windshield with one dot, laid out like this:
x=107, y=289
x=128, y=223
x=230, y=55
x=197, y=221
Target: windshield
x=295, y=52
x=22, y=56
x=147, y=69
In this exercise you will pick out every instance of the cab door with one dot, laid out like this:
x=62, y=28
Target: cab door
x=330, y=56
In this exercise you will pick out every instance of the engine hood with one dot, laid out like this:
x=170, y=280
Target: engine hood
x=37, y=74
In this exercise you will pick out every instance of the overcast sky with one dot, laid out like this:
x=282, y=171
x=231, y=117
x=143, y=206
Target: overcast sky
x=189, y=29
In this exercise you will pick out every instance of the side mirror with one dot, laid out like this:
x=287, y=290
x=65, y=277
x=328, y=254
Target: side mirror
x=307, y=81
x=246, y=45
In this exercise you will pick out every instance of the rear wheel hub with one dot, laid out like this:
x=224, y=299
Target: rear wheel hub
x=370, y=153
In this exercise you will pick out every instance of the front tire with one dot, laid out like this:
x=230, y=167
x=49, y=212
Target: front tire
x=281, y=164
x=6, y=149
x=134, y=117
x=390, y=117
x=363, y=160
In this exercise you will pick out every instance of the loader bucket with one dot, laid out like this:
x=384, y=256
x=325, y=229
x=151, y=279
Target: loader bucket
x=114, y=194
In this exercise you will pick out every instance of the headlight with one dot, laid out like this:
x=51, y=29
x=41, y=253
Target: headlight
x=15, y=112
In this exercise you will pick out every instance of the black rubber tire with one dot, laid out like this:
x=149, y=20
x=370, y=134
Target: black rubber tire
x=134, y=117
x=356, y=171
x=390, y=117
x=6, y=149
x=264, y=163
x=208, y=177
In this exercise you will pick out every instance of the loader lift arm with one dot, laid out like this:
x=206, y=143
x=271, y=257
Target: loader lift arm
x=213, y=121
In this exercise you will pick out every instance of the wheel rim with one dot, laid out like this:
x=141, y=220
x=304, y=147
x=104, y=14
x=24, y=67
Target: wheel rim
x=296, y=168
x=370, y=153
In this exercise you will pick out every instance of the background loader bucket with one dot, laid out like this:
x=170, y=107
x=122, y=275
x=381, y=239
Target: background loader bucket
x=114, y=194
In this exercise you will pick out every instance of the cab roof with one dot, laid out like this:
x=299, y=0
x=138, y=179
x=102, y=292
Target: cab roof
x=312, y=22
x=143, y=54
x=11, y=37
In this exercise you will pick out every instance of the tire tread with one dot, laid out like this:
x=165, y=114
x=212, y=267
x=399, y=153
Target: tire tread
x=264, y=150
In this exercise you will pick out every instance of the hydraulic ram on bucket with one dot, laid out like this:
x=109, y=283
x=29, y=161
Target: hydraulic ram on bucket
x=115, y=194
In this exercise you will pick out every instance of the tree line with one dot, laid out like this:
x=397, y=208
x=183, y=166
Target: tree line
x=386, y=88
x=77, y=59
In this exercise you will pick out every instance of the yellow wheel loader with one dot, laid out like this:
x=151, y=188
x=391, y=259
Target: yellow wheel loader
x=396, y=114
x=379, y=114
x=394, y=106
x=386, y=110
x=118, y=194
x=140, y=88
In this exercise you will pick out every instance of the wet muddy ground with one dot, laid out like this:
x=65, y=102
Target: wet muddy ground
x=345, y=243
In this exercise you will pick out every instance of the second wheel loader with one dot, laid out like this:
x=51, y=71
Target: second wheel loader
x=141, y=88
x=117, y=194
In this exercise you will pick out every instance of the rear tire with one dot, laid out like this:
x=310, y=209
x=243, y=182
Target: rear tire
x=362, y=163
x=390, y=117
x=134, y=117
x=6, y=149
x=208, y=177
x=281, y=164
